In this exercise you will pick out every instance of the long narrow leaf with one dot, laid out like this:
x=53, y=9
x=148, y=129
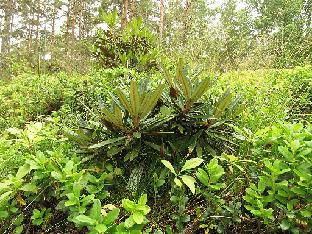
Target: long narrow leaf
x=167, y=75
x=109, y=116
x=107, y=142
x=181, y=78
x=149, y=103
x=200, y=90
x=134, y=98
x=124, y=101
x=222, y=104
x=118, y=115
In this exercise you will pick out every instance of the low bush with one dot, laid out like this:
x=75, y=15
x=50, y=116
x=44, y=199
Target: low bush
x=27, y=96
x=271, y=95
x=282, y=195
x=16, y=143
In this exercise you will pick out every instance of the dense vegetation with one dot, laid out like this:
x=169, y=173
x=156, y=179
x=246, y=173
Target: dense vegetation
x=129, y=131
x=166, y=157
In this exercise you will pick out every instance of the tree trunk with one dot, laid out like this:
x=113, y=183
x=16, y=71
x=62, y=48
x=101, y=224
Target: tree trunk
x=38, y=23
x=132, y=9
x=161, y=21
x=80, y=23
x=53, y=23
x=124, y=13
x=30, y=33
x=186, y=20
x=67, y=37
x=73, y=18
x=6, y=32
x=68, y=19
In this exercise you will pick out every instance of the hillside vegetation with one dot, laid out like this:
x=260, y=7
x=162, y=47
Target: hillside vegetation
x=114, y=152
x=160, y=117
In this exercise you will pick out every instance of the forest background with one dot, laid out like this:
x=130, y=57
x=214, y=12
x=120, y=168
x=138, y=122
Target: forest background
x=53, y=35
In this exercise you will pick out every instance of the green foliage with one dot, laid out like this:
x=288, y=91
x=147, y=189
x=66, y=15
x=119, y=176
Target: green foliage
x=138, y=212
x=189, y=181
x=26, y=97
x=129, y=134
x=140, y=105
x=38, y=217
x=158, y=123
x=16, y=143
x=211, y=175
x=282, y=193
x=59, y=179
x=270, y=95
x=133, y=46
x=96, y=221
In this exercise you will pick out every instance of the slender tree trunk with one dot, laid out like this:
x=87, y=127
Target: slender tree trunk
x=186, y=20
x=73, y=18
x=31, y=29
x=124, y=13
x=161, y=21
x=68, y=25
x=54, y=13
x=81, y=7
x=6, y=32
x=0, y=31
x=29, y=37
x=38, y=22
x=132, y=9
x=11, y=24
x=68, y=18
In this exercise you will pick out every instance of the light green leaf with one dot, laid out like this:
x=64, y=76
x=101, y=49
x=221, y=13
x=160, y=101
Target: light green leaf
x=56, y=175
x=167, y=75
x=134, y=98
x=132, y=154
x=100, y=228
x=18, y=229
x=215, y=170
x=69, y=167
x=143, y=199
x=128, y=205
x=124, y=101
x=169, y=166
x=95, y=212
x=30, y=187
x=192, y=163
x=189, y=181
x=222, y=104
x=138, y=217
x=180, y=77
x=23, y=171
x=108, y=116
x=177, y=182
x=111, y=216
x=129, y=222
x=285, y=225
x=118, y=116
x=83, y=219
x=3, y=214
x=203, y=176
x=200, y=90
x=150, y=101
x=285, y=152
